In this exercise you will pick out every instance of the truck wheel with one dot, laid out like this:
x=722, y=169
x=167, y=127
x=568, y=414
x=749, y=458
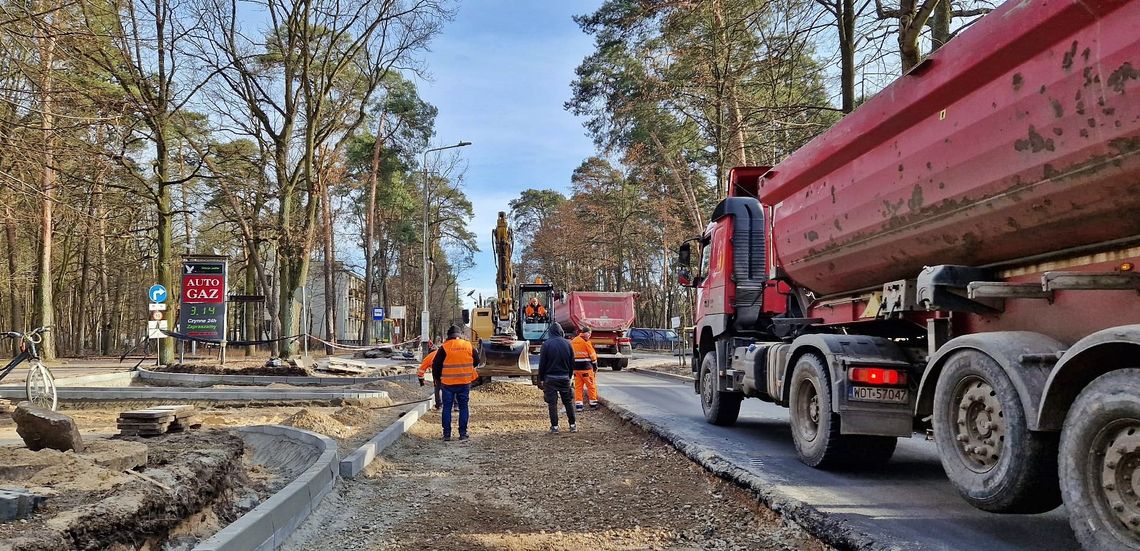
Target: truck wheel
x=992, y=458
x=815, y=430
x=619, y=365
x=721, y=408
x=1100, y=462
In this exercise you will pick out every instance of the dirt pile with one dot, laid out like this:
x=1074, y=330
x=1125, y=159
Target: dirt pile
x=317, y=422
x=504, y=389
x=352, y=416
x=400, y=392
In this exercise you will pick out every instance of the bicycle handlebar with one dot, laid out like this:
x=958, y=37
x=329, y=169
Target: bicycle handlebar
x=33, y=332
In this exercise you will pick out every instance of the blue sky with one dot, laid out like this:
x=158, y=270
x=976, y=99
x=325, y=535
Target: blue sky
x=500, y=73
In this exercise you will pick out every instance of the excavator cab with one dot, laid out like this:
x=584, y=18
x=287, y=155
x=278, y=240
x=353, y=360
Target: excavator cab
x=537, y=312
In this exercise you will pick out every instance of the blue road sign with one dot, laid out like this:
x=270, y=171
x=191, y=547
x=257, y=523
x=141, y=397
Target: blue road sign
x=157, y=293
x=377, y=314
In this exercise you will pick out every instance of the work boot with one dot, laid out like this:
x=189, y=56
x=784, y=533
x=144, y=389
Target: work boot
x=464, y=437
x=594, y=405
x=447, y=439
x=553, y=430
x=573, y=428
x=578, y=407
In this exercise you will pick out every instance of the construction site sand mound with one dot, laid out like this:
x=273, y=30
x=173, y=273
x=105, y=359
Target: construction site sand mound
x=317, y=422
x=500, y=388
x=400, y=393
x=352, y=416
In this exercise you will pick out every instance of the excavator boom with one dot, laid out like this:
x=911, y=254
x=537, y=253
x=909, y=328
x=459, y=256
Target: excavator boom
x=503, y=353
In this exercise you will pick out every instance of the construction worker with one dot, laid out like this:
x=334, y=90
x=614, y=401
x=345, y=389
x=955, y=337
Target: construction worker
x=585, y=369
x=425, y=366
x=454, y=370
x=555, y=364
x=535, y=310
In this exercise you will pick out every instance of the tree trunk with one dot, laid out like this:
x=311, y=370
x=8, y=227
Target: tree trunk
x=330, y=295
x=847, y=54
x=250, y=310
x=104, y=285
x=43, y=295
x=940, y=25
x=14, y=309
x=370, y=231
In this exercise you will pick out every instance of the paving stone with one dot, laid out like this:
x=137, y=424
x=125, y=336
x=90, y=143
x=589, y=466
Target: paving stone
x=17, y=504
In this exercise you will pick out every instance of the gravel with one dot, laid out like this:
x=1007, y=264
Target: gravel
x=514, y=486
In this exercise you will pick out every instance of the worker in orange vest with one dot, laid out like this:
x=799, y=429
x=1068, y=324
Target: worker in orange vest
x=585, y=369
x=535, y=309
x=425, y=366
x=454, y=370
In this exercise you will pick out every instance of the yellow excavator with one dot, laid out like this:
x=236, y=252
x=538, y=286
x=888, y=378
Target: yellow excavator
x=515, y=326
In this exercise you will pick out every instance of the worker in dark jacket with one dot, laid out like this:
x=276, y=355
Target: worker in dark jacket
x=453, y=371
x=555, y=368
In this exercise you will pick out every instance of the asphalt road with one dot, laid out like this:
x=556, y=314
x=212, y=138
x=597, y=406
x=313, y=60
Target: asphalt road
x=907, y=504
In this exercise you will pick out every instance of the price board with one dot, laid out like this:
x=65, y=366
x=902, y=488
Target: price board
x=203, y=298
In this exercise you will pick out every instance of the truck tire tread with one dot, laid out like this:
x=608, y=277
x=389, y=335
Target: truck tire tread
x=720, y=408
x=1024, y=478
x=835, y=450
x=1109, y=398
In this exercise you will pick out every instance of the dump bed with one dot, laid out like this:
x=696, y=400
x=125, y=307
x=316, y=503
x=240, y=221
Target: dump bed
x=597, y=310
x=1021, y=137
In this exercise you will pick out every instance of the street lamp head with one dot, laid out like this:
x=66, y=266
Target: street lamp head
x=462, y=144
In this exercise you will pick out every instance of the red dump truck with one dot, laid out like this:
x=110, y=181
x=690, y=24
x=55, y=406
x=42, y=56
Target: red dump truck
x=608, y=315
x=956, y=258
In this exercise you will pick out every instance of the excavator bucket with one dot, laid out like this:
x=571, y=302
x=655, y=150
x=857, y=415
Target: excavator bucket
x=504, y=357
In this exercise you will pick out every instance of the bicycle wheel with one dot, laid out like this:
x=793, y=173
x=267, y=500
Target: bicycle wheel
x=40, y=386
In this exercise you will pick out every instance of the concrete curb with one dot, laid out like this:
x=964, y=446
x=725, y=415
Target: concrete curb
x=364, y=455
x=196, y=379
x=121, y=379
x=662, y=374
x=834, y=532
x=269, y=524
x=197, y=394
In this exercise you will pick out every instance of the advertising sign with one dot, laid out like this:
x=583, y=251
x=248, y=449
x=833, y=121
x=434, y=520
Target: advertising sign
x=397, y=312
x=203, y=311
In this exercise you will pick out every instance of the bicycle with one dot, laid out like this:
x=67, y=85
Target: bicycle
x=39, y=384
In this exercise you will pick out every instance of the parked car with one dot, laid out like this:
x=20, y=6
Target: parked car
x=646, y=338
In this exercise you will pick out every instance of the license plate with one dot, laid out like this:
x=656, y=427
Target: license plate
x=876, y=394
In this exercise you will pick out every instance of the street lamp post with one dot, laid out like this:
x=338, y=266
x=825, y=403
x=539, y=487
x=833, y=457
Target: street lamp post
x=424, y=315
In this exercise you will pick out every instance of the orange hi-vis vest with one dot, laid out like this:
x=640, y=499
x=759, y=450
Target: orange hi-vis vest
x=458, y=363
x=531, y=310
x=583, y=353
x=425, y=366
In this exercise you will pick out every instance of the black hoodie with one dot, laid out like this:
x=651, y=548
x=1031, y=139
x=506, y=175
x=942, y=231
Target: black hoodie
x=556, y=361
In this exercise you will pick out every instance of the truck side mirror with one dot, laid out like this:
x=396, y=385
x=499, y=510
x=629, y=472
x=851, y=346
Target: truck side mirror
x=466, y=317
x=684, y=255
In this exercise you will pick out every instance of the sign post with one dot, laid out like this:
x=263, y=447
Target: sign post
x=156, y=323
x=202, y=314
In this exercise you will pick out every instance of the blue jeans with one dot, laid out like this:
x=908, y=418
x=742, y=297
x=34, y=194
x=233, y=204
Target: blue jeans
x=452, y=394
